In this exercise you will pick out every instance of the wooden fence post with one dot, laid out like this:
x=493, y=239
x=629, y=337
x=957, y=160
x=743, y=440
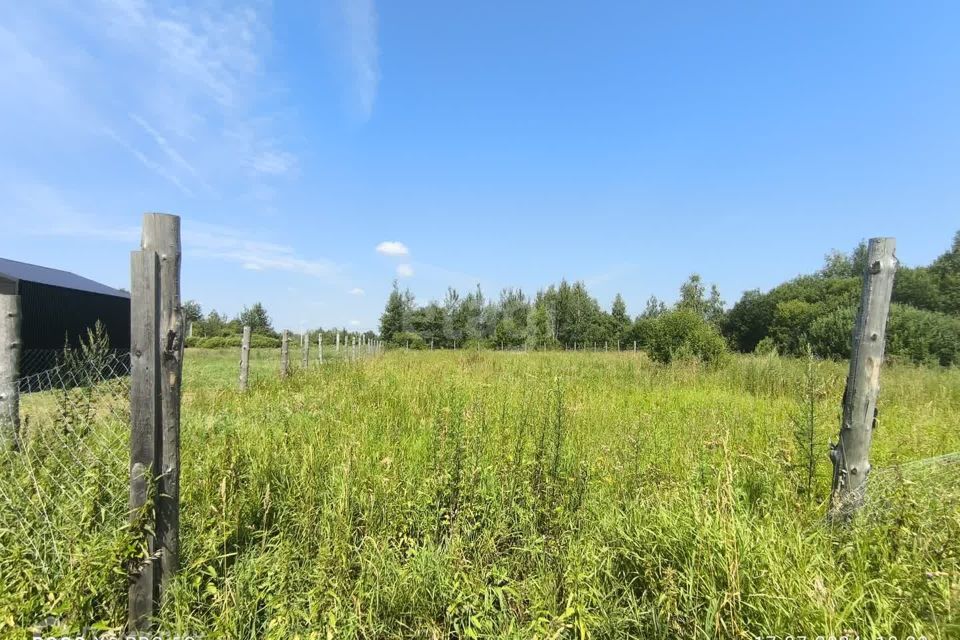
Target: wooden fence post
x=338, y=342
x=285, y=354
x=851, y=455
x=161, y=235
x=634, y=346
x=305, y=354
x=320, y=347
x=9, y=371
x=144, y=423
x=244, y=358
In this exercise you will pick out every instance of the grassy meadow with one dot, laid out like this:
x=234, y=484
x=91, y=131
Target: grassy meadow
x=499, y=495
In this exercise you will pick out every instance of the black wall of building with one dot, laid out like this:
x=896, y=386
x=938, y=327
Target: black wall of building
x=50, y=315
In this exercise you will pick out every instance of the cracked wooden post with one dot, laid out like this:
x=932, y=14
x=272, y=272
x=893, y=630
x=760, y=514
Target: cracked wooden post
x=320, y=347
x=851, y=455
x=305, y=353
x=285, y=354
x=144, y=422
x=244, y=358
x=161, y=235
x=9, y=371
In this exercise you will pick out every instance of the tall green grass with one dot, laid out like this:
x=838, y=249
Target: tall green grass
x=473, y=494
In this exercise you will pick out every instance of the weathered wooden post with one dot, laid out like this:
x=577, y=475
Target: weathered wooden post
x=338, y=343
x=161, y=235
x=634, y=346
x=9, y=371
x=144, y=424
x=305, y=355
x=285, y=354
x=244, y=358
x=851, y=455
x=320, y=347
x=156, y=366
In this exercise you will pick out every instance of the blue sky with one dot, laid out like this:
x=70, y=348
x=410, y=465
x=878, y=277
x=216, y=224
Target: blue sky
x=627, y=144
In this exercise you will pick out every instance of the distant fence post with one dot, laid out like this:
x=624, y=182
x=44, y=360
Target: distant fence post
x=144, y=423
x=285, y=354
x=634, y=346
x=305, y=353
x=851, y=455
x=244, y=358
x=338, y=342
x=320, y=347
x=9, y=371
x=161, y=234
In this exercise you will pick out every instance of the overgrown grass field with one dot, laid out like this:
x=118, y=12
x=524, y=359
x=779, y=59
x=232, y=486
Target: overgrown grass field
x=502, y=495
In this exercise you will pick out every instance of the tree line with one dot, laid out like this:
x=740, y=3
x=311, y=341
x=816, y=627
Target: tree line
x=216, y=330
x=814, y=311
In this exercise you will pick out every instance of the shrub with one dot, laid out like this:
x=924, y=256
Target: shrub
x=409, y=339
x=923, y=336
x=830, y=334
x=915, y=335
x=684, y=333
x=257, y=341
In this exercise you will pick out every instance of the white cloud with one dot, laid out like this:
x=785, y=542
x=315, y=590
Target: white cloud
x=357, y=291
x=392, y=248
x=355, y=323
x=404, y=270
x=363, y=52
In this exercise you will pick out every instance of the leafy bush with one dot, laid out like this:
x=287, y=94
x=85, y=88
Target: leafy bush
x=683, y=333
x=257, y=341
x=923, y=336
x=409, y=339
x=915, y=335
x=830, y=335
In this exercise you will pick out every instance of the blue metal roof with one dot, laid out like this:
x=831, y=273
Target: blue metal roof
x=14, y=270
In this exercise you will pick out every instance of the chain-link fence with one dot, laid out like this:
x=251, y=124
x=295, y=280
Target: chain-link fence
x=64, y=489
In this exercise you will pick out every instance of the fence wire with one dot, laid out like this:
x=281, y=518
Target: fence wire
x=64, y=487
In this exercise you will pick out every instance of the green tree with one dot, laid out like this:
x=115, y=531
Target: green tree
x=257, y=319
x=192, y=311
x=215, y=324
x=748, y=322
x=392, y=320
x=619, y=319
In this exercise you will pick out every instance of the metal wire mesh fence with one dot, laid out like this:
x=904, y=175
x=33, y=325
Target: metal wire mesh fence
x=64, y=486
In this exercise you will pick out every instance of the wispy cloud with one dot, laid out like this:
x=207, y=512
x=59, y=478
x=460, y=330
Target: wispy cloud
x=393, y=248
x=224, y=243
x=176, y=84
x=363, y=51
x=404, y=270
x=357, y=291
x=274, y=163
x=43, y=210
x=48, y=213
